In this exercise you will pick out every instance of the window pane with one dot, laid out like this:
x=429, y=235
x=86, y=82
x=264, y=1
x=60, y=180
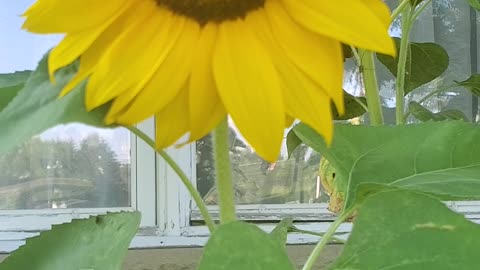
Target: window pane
x=73, y=166
x=256, y=181
x=69, y=166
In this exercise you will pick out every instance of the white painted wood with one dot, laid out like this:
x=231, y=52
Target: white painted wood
x=31, y=220
x=146, y=176
x=272, y=212
x=173, y=198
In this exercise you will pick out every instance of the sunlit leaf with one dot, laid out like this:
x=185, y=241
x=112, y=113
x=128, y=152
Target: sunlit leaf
x=10, y=85
x=425, y=62
x=439, y=158
x=409, y=231
x=238, y=246
x=37, y=107
x=100, y=242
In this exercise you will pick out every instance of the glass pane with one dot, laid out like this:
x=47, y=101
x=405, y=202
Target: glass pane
x=72, y=166
x=256, y=181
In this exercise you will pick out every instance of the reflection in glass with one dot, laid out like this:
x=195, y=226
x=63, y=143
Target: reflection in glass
x=256, y=181
x=71, y=166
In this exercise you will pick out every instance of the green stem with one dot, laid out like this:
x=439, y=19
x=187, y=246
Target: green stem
x=186, y=182
x=371, y=88
x=226, y=199
x=402, y=62
x=324, y=241
x=356, y=56
x=333, y=239
x=400, y=8
x=420, y=10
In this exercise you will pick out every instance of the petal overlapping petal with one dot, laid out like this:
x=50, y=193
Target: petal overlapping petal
x=203, y=117
x=352, y=22
x=249, y=87
x=60, y=16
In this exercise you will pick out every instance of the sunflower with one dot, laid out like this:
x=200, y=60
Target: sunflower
x=192, y=62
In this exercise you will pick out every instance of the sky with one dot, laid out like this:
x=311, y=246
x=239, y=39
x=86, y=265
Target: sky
x=20, y=50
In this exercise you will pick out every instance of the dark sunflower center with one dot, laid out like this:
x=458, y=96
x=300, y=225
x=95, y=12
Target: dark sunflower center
x=205, y=11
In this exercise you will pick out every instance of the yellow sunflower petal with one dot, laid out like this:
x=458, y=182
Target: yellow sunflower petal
x=171, y=123
x=70, y=48
x=249, y=87
x=164, y=85
x=352, y=22
x=122, y=67
x=206, y=108
x=380, y=10
x=93, y=54
x=289, y=120
x=67, y=16
x=317, y=56
x=304, y=99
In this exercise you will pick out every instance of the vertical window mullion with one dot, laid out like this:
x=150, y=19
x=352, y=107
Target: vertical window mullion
x=145, y=176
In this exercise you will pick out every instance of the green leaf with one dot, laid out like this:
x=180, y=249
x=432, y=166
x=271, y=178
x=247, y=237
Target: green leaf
x=424, y=115
x=280, y=232
x=409, y=231
x=37, y=107
x=425, y=62
x=16, y=78
x=292, y=142
x=434, y=157
x=10, y=85
x=99, y=242
x=475, y=4
x=472, y=84
x=352, y=107
x=8, y=93
x=238, y=245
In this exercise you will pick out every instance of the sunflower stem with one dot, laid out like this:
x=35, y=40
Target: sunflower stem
x=371, y=88
x=183, y=177
x=400, y=9
x=226, y=199
x=326, y=237
x=402, y=63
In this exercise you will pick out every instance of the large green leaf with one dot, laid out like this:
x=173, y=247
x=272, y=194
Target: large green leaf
x=238, y=246
x=409, y=231
x=37, y=107
x=423, y=114
x=10, y=84
x=472, y=84
x=475, y=4
x=425, y=62
x=436, y=157
x=99, y=242
x=11, y=79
